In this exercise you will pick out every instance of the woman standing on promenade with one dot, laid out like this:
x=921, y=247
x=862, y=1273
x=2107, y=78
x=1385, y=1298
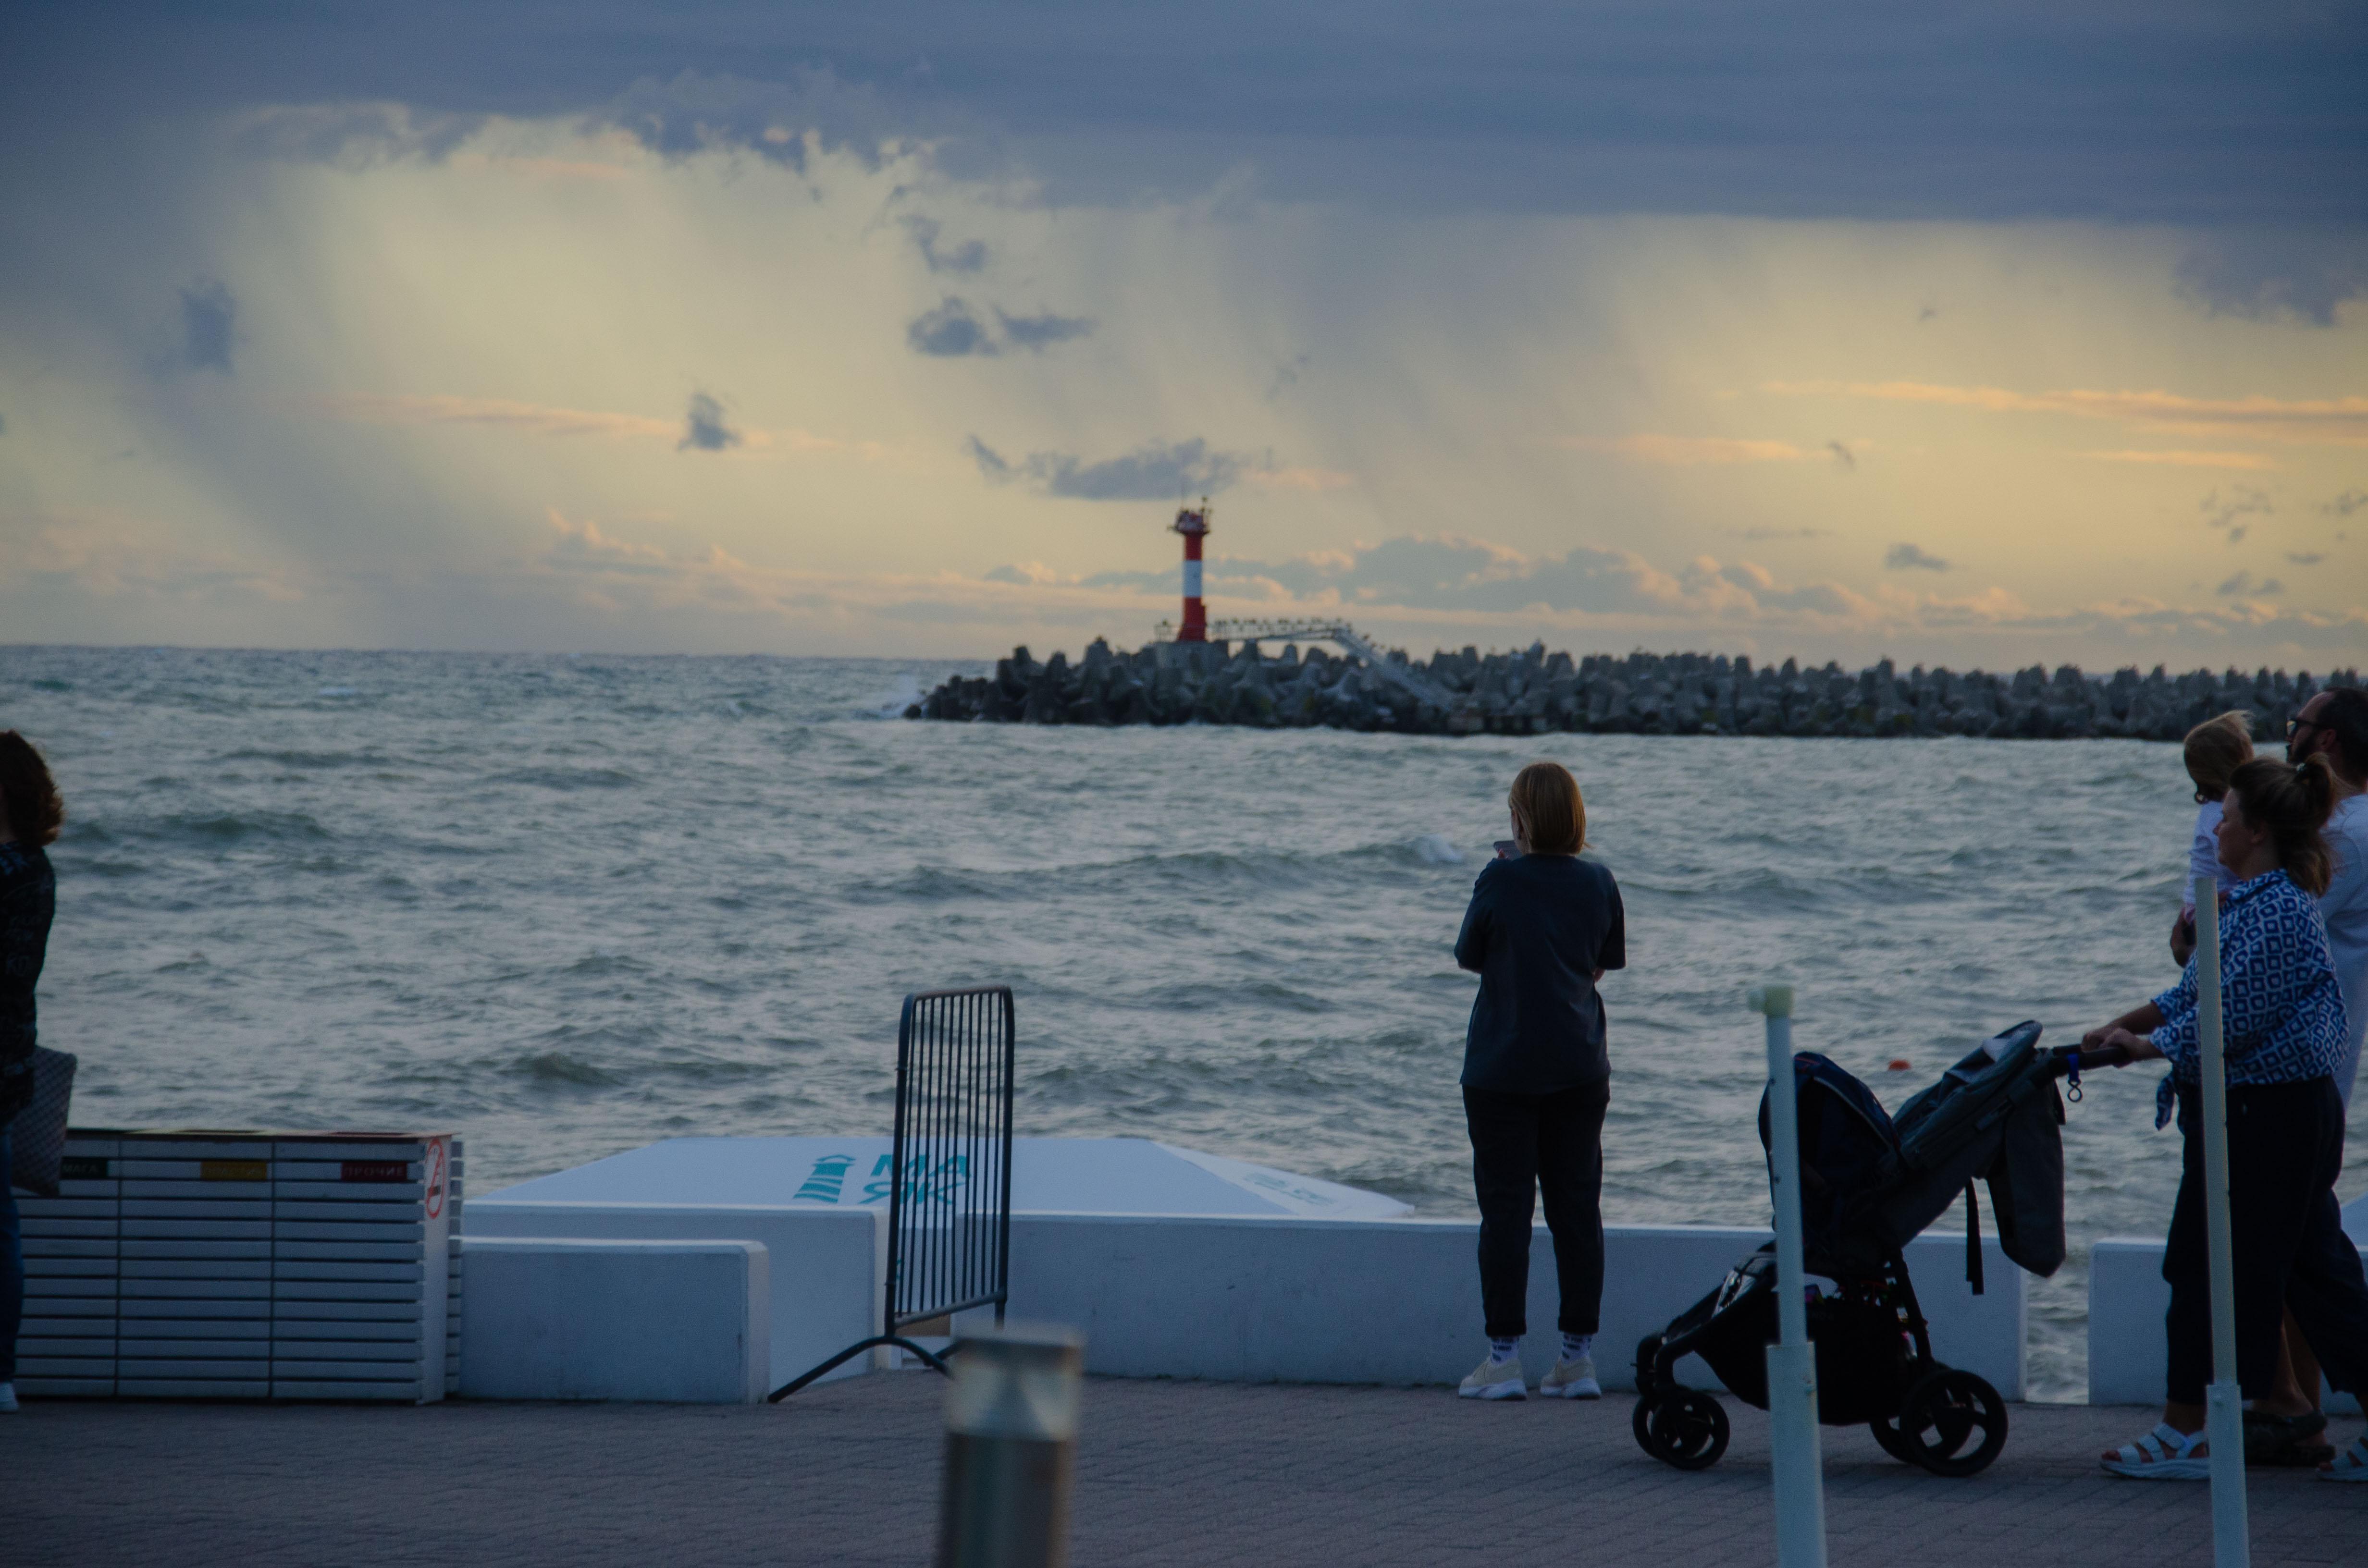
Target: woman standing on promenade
x=30, y=815
x=2285, y=1038
x=1542, y=927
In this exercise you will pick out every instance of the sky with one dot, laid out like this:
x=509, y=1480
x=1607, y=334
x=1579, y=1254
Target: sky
x=1977, y=334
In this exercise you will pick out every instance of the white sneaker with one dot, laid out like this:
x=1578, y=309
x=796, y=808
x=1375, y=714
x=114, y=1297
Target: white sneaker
x=1495, y=1379
x=1571, y=1379
x=7, y=1398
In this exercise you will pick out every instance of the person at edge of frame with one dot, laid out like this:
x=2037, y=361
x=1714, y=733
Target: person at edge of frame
x=31, y=813
x=2334, y=725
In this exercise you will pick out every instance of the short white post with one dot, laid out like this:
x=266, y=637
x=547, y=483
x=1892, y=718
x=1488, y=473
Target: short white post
x=1796, y=1459
x=2224, y=1402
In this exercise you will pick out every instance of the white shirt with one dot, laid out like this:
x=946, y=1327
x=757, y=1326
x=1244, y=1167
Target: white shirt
x=2204, y=856
x=2344, y=907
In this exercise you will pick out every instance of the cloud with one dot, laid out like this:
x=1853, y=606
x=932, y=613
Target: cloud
x=968, y=257
x=1039, y=333
x=2241, y=586
x=2229, y=511
x=2301, y=559
x=2343, y=506
x=208, y=328
x=1764, y=535
x=703, y=428
x=1687, y=451
x=949, y=332
x=1843, y=455
x=2175, y=457
x=954, y=330
x=1154, y=471
x=1906, y=557
x=351, y=135
x=2306, y=276
x=2340, y=421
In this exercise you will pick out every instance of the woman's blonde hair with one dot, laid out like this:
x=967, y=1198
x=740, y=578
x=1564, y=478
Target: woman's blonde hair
x=2216, y=748
x=1547, y=798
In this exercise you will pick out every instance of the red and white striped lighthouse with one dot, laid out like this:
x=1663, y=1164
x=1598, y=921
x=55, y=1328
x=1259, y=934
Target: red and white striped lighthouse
x=1194, y=526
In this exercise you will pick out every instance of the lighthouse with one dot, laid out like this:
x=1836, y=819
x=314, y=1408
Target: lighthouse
x=1194, y=526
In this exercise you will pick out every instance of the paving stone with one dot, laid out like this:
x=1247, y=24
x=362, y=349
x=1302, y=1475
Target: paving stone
x=1177, y=1473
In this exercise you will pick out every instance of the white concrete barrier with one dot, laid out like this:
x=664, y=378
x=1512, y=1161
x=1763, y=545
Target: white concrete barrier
x=1242, y=1299
x=829, y=1268
x=2127, y=1342
x=674, y=1320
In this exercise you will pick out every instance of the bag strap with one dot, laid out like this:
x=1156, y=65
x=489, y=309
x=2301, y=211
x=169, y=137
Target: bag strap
x=1972, y=1240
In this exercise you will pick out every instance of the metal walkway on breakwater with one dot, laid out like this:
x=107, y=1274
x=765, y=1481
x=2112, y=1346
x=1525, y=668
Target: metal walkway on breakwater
x=1231, y=679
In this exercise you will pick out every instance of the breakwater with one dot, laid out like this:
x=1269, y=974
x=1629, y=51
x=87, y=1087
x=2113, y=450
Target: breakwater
x=1534, y=691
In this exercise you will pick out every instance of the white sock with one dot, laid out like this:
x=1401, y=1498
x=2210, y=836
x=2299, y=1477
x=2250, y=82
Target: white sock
x=1504, y=1349
x=1576, y=1346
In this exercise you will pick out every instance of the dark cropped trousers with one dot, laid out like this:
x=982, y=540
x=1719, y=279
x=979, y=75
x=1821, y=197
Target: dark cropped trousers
x=2285, y=1149
x=1522, y=1145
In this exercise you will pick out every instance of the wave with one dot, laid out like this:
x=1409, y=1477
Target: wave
x=902, y=693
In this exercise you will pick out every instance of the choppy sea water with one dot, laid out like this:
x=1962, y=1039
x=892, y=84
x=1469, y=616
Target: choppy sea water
x=566, y=906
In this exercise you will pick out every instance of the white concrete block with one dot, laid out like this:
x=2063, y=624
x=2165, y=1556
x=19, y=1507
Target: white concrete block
x=2128, y=1345
x=674, y=1320
x=1398, y=1300
x=828, y=1267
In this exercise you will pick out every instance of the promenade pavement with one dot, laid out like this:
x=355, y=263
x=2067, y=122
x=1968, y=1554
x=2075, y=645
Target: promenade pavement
x=1167, y=1473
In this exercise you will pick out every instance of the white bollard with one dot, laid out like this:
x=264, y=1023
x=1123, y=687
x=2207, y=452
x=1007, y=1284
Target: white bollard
x=1011, y=1447
x=1795, y=1454
x=2224, y=1402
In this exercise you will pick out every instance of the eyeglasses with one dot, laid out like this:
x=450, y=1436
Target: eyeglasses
x=2295, y=725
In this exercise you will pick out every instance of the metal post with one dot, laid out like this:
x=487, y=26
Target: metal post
x=2224, y=1402
x=1796, y=1458
x=1011, y=1445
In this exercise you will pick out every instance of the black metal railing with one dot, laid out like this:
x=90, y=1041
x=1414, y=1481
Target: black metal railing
x=950, y=1168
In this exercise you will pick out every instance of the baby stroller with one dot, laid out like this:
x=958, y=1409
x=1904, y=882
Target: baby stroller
x=1869, y=1185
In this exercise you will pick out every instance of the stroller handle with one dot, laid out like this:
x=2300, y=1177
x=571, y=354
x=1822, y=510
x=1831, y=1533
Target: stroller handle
x=2064, y=1060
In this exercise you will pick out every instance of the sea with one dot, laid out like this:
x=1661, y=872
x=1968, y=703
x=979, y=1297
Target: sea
x=564, y=905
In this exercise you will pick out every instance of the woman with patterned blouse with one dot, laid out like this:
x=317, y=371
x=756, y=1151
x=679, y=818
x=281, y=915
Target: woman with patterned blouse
x=2282, y=1029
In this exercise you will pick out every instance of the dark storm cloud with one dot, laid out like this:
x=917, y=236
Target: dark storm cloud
x=1037, y=334
x=1908, y=557
x=1154, y=471
x=703, y=429
x=949, y=332
x=208, y=328
x=2181, y=111
x=2303, y=276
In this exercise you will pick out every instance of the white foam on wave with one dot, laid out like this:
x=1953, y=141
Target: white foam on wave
x=891, y=703
x=1435, y=849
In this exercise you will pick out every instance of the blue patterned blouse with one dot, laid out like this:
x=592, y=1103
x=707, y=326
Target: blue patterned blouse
x=2282, y=1018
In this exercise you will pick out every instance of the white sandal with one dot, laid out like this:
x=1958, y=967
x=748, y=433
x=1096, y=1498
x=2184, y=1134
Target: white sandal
x=2164, y=1454
x=2351, y=1464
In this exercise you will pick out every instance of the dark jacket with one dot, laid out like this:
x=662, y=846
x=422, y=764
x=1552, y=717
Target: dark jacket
x=28, y=899
x=1538, y=928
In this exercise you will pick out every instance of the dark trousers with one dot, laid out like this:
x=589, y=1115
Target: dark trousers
x=12, y=1270
x=1521, y=1144
x=2285, y=1149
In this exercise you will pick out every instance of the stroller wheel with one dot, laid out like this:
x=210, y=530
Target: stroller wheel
x=1886, y=1435
x=1952, y=1423
x=1682, y=1428
x=1648, y=1355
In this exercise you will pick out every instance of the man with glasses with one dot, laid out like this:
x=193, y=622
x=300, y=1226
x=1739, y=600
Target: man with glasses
x=2334, y=724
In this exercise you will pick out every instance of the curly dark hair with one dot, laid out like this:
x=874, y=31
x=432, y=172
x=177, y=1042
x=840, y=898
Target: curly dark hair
x=28, y=792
